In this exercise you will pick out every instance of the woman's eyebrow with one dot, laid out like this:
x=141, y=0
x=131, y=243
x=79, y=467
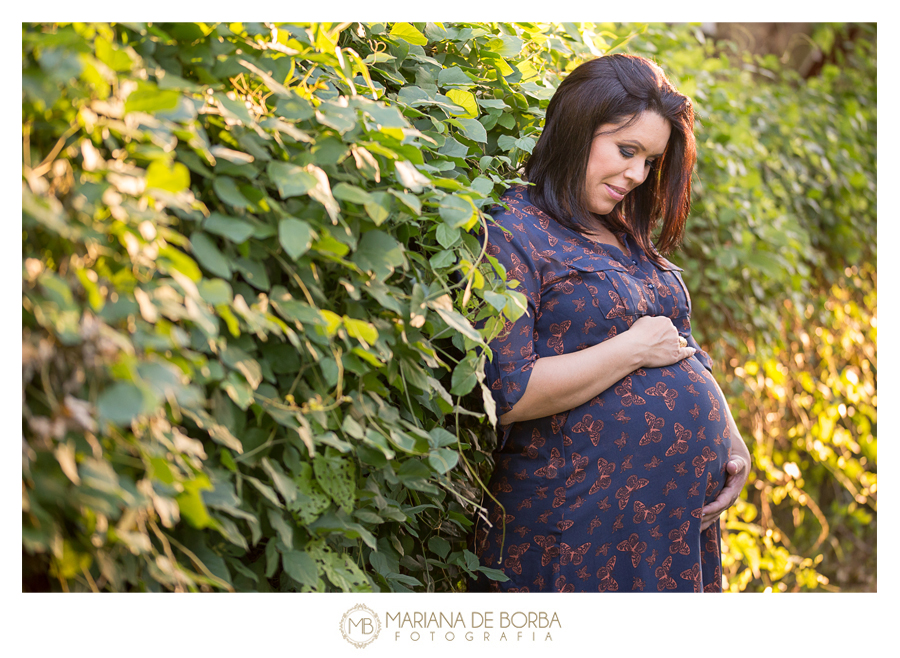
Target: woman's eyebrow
x=634, y=142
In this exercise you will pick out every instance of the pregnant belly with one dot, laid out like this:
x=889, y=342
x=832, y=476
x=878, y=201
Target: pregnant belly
x=661, y=424
x=657, y=420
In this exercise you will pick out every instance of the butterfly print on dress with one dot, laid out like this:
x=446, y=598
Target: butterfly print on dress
x=701, y=460
x=604, y=573
x=555, y=462
x=562, y=586
x=662, y=572
x=592, y=427
x=643, y=513
x=623, y=390
x=667, y=394
x=537, y=441
x=551, y=550
x=681, y=438
x=654, y=433
x=564, y=525
x=604, y=479
x=559, y=497
x=693, y=574
x=558, y=331
x=569, y=554
x=619, y=309
x=714, y=412
x=634, y=546
x=515, y=552
x=578, y=464
x=633, y=484
x=677, y=535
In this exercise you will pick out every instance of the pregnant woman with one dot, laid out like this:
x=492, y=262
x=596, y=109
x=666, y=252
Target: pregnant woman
x=617, y=450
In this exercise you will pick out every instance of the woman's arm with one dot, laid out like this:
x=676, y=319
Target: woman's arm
x=559, y=383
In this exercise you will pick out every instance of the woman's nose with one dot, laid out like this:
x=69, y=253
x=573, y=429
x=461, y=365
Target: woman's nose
x=636, y=171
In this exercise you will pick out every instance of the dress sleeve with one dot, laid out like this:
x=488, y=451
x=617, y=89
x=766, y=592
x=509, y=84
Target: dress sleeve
x=512, y=354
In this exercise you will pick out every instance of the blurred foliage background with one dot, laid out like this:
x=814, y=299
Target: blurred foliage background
x=250, y=292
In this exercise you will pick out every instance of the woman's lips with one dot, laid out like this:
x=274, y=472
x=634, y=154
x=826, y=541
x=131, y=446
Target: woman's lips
x=616, y=193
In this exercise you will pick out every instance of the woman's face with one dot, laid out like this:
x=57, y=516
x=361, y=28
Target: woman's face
x=621, y=160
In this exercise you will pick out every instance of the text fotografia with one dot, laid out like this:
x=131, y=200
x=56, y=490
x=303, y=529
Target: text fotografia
x=480, y=626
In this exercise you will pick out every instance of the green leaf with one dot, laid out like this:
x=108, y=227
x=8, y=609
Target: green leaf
x=215, y=291
x=456, y=210
x=336, y=477
x=151, y=99
x=226, y=189
x=461, y=324
x=120, y=403
x=351, y=193
x=301, y=567
x=506, y=45
x=361, y=330
x=473, y=129
x=440, y=546
x=238, y=390
x=236, y=230
x=290, y=179
x=379, y=253
x=465, y=100
x=237, y=359
x=282, y=528
x=285, y=485
x=295, y=109
x=234, y=109
x=465, y=375
x=209, y=256
x=295, y=236
x=410, y=177
x=454, y=77
x=408, y=33
x=443, y=459
x=172, y=179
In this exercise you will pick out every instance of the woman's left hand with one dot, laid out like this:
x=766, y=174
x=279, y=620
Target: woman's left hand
x=737, y=469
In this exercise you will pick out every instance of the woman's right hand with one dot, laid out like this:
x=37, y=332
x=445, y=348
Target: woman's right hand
x=656, y=342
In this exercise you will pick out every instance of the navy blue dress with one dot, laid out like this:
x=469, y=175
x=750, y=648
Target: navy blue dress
x=607, y=496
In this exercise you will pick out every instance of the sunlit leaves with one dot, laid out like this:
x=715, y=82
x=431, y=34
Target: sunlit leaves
x=172, y=178
x=408, y=33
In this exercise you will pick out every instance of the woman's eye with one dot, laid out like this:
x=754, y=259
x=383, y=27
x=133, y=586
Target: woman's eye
x=649, y=163
x=626, y=153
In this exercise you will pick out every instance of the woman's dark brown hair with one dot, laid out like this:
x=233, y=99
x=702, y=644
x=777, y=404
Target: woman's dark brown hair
x=610, y=90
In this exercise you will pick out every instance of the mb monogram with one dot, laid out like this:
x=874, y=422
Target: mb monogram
x=360, y=626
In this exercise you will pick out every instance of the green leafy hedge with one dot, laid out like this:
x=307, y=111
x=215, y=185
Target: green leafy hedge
x=250, y=288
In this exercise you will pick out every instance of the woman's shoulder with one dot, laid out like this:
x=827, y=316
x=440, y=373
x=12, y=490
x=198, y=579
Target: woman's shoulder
x=516, y=212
